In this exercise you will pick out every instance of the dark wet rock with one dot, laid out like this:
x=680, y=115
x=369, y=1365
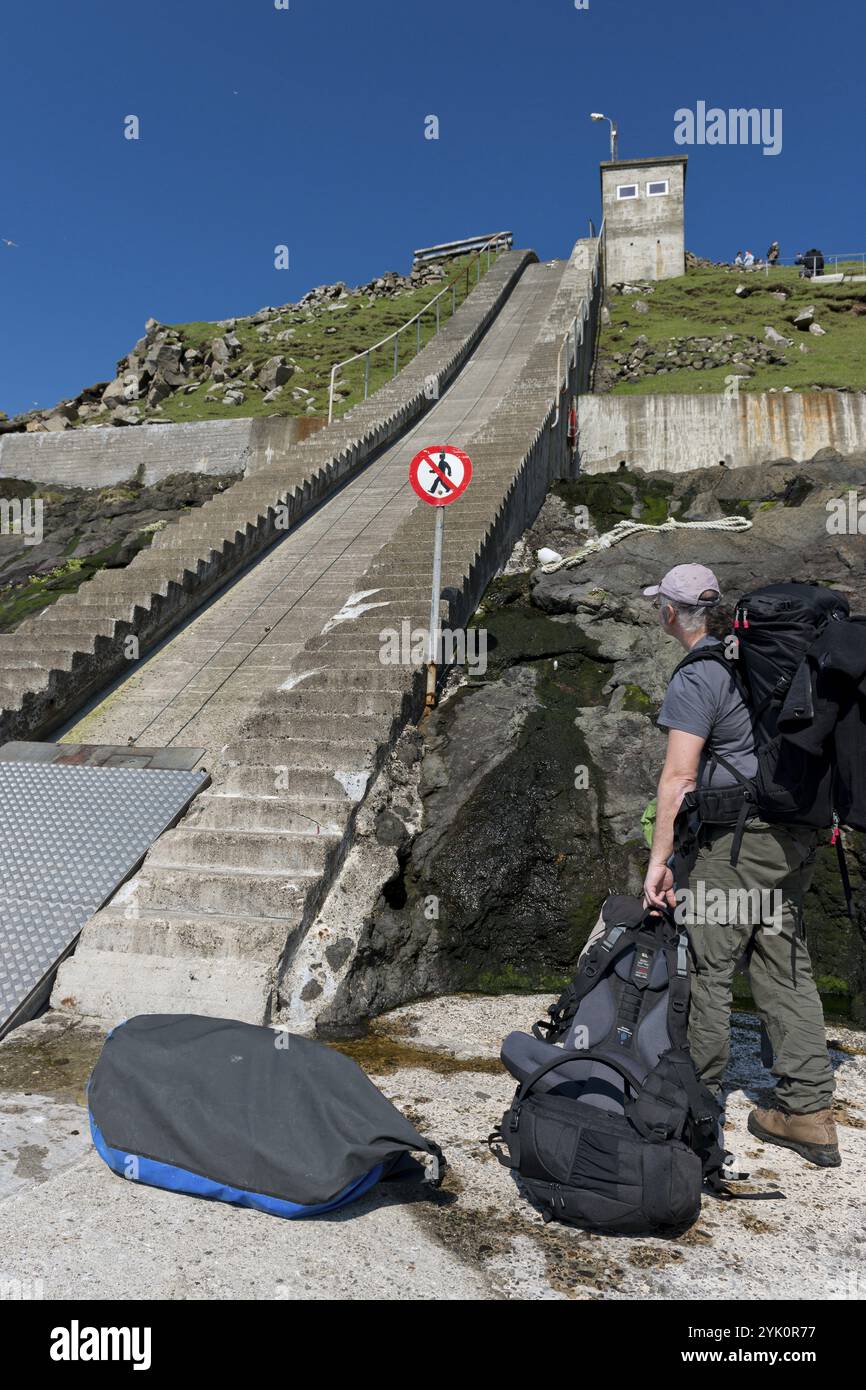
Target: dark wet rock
x=518, y=846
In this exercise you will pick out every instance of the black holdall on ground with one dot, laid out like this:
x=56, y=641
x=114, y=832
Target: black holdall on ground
x=611, y=1128
x=783, y=673
x=244, y=1114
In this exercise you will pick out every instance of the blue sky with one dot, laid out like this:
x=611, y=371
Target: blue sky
x=305, y=127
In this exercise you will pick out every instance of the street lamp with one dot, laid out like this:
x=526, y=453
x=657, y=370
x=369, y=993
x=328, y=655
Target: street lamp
x=614, y=134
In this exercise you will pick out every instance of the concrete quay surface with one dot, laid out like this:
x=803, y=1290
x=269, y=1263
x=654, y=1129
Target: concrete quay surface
x=69, y=1228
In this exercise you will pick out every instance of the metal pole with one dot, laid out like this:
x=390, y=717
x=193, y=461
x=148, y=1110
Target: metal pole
x=396, y=352
x=433, y=636
x=438, y=308
x=418, y=334
x=366, y=375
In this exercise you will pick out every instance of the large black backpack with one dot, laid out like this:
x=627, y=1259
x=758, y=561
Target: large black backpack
x=610, y=1127
x=775, y=627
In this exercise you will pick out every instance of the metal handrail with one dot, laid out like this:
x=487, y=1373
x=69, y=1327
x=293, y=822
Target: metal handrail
x=576, y=324
x=790, y=262
x=416, y=318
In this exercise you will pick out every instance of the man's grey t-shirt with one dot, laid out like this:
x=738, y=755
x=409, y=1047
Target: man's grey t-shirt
x=703, y=699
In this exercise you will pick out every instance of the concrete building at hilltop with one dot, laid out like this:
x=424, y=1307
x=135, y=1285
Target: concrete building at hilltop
x=643, y=202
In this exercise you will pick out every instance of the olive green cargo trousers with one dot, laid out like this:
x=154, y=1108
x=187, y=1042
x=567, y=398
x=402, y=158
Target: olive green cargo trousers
x=755, y=910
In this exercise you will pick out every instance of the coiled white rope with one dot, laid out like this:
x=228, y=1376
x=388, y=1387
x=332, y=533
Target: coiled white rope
x=630, y=528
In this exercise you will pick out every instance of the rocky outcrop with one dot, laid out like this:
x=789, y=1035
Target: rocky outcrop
x=525, y=809
x=741, y=353
x=90, y=529
x=163, y=363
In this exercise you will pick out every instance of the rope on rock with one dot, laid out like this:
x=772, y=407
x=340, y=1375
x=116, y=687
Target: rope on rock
x=630, y=528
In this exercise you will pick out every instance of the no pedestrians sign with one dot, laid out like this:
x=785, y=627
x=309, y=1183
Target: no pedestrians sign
x=440, y=475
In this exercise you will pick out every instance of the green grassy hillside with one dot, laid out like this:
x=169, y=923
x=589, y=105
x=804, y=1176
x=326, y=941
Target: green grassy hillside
x=703, y=304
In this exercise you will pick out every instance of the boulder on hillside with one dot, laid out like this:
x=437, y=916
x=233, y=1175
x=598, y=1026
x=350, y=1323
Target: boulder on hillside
x=275, y=372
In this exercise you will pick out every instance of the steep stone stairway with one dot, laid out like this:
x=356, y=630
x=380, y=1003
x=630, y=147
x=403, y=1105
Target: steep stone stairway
x=281, y=678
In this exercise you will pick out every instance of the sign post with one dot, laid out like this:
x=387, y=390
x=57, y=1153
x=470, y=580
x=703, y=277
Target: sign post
x=439, y=476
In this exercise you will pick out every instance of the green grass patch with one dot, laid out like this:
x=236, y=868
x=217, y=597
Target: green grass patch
x=703, y=304
x=26, y=600
x=319, y=339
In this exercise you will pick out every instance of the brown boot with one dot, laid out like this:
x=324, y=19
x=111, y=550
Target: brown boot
x=813, y=1137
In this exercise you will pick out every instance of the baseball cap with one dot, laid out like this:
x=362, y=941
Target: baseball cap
x=686, y=583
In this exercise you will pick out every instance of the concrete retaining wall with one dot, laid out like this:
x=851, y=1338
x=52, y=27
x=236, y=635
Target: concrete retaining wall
x=78, y=645
x=101, y=457
x=679, y=433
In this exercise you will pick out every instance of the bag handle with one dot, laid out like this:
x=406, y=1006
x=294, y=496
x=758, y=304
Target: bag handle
x=574, y=1055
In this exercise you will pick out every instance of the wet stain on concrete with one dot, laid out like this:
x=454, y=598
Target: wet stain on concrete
x=380, y=1055
x=30, y=1162
x=57, y=1064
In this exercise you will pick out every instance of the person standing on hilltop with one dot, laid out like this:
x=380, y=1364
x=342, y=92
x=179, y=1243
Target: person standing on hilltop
x=773, y=253
x=750, y=908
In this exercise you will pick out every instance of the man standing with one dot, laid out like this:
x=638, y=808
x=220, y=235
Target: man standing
x=710, y=743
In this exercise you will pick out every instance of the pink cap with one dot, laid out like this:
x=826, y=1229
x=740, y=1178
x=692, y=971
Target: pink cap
x=686, y=583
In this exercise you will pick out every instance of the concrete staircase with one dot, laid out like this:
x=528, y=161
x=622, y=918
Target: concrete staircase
x=217, y=920
x=79, y=644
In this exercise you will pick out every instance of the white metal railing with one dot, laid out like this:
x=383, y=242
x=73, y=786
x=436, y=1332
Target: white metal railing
x=573, y=338
x=857, y=259
x=435, y=303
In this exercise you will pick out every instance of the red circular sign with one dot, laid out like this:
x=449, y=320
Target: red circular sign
x=440, y=475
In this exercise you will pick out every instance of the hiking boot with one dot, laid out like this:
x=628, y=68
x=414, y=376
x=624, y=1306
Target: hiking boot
x=813, y=1137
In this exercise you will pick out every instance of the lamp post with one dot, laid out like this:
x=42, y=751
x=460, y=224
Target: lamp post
x=614, y=133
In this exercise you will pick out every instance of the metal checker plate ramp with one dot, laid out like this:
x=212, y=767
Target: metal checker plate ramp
x=69, y=836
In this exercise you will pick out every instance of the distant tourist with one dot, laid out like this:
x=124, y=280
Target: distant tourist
x=738, y=259
x=811, y=263
x=748, y=261
x=773, y=253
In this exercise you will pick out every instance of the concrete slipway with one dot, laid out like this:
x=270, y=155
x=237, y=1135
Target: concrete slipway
x=284, y=672
x=70, y=1229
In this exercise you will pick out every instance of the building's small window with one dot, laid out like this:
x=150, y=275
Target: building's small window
x=626, y=190
x=657, y=190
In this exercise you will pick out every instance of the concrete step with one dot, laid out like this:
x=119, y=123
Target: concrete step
x=352, y=730
x=274, y=813
x=265, y=852
x=305, y=785
x=227, y=893
x=358, y=699
x=378, y=676
x=96, y=610
x=101, y=985
x=301, y=755
x=210, y=936
x=30, y=659
x=15, y=685
x=71, y=629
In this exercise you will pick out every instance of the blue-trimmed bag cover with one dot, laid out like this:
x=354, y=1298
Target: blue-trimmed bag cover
x=238, y=1113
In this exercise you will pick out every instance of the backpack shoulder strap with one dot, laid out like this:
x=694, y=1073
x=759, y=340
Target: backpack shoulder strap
x=715, y=652
x=679, y=989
